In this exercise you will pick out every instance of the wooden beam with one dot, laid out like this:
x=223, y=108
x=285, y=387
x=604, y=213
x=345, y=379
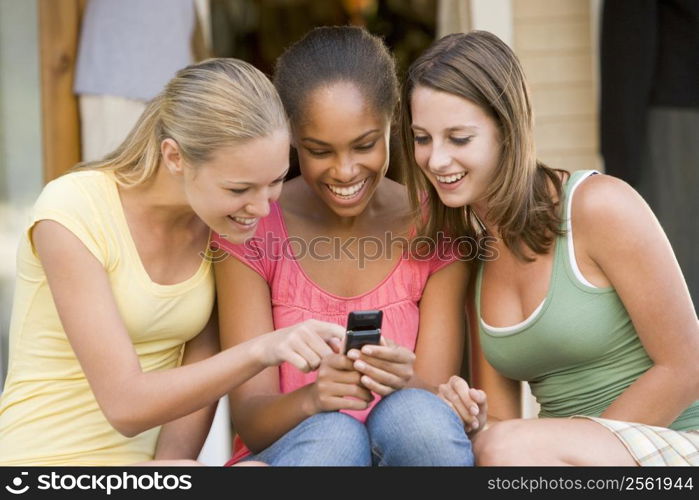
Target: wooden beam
x=59, y=32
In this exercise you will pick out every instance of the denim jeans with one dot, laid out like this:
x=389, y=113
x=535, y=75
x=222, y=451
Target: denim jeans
x=410, y=427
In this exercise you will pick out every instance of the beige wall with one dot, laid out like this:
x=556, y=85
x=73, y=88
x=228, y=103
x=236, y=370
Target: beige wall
x=554, y=39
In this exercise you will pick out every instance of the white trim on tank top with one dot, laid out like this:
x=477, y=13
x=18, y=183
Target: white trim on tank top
x=569, y=226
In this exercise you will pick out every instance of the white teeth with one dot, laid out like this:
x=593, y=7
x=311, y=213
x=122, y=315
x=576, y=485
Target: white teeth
x=347, y=191
x=450, y=179
x=246, y=221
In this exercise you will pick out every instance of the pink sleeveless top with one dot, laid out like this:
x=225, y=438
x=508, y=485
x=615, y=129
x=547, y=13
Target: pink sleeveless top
x=295, y=298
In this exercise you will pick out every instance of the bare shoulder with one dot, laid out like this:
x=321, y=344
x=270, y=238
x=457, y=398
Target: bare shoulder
x=603, y=198
x=606, y=211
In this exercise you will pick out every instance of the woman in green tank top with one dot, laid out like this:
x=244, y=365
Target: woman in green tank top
x=581, y=295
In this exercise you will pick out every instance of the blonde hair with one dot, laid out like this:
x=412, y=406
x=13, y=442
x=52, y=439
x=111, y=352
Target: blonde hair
x=206, y=106
x=480, y=67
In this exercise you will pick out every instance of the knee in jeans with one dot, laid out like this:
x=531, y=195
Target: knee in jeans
x=415, y=427
x=339, y=428
x=426, y=418
x=329, y=438
x=406, y=402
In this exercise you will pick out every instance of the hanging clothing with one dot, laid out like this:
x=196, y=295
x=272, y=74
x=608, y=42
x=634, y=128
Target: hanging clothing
x=649, y=57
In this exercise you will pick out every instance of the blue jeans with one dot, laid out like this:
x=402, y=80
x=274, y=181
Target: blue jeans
x=409, y=427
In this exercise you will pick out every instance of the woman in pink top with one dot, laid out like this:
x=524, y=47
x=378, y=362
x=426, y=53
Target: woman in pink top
x=336, y=242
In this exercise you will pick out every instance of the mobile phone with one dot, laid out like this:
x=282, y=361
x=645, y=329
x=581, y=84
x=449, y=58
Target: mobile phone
x=363, y=327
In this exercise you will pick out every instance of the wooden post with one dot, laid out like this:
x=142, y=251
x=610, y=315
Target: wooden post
x=59, y=31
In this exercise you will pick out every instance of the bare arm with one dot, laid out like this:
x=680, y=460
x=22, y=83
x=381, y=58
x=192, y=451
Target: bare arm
x=261, y=414
x=134, y=401
x=442, y=332
x=504, y=394
x=618, y=231
x=184, y=437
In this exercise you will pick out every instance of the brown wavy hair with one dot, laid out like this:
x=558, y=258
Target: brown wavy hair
x=480, y=67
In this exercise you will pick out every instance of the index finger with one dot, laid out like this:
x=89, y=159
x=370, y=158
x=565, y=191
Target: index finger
x=320, y=346
x=326, y=330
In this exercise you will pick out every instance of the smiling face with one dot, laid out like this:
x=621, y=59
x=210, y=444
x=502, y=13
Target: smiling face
x=457, y=145
x=342, y=144
x=233, y=189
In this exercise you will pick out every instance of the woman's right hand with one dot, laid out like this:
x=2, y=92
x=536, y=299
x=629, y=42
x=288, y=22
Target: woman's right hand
x=338, y=386
x=303, y=345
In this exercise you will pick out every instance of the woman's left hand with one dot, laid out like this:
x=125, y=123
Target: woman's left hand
x=385, y=368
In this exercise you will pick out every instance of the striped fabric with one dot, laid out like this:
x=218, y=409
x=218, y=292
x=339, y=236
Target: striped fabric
x=655, y=446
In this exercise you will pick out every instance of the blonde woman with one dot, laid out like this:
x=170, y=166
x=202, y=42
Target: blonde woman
x=581, y=296
x=114, y=291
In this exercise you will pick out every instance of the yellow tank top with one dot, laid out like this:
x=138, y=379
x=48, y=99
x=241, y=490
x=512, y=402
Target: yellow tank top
x=48, y=413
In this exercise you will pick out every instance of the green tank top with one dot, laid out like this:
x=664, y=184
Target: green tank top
x=579, y=350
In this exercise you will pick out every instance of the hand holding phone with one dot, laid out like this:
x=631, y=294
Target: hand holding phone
x=338, y=385
x=389, y=366
x=363, y=327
